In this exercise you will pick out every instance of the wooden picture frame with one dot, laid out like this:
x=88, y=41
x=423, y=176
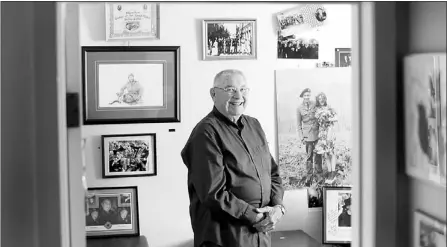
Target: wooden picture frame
x=131, y=155
x=229, y=39
x=132, y=20
x=131, y=84
x=112, y=212
x=343, y=57
x=337, y=228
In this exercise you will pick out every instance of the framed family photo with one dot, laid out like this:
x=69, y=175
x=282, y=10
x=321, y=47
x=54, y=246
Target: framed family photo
x=112, y=212
x=425, y=117
x=127, y=20
x=225, y=39
x=343, y=57
x=428, y=231
x=337, y=228
x=129, y=155
x=131, y=84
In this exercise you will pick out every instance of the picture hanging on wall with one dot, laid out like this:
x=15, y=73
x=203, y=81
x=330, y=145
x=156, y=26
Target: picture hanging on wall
x=129, y=155
x=425, y=121
x=428, y=231
x=131, y=84
x=337, y=227
x=225, y=39
x=112, y=212
x=314, y=130
x=298, y=46
x=311, y=15
x=342, y=57
x=127, y=21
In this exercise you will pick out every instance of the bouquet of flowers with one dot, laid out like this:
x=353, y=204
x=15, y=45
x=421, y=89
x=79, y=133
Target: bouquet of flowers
x=326, y=118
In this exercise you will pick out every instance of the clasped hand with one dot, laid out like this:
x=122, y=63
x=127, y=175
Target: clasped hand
x=267, y=218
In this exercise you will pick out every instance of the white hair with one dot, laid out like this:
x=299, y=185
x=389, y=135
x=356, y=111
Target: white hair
x=226, y=75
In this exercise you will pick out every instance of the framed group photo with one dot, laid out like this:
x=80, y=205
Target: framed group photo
x=131, y=84
x=112, y=212
x=225, y=39
x=343, y=57
x=138, y=20
x=129, y=155
x=428, y=231
x=337, y=228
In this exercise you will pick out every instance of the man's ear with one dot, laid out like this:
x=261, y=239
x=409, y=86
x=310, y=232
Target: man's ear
x=212, y=93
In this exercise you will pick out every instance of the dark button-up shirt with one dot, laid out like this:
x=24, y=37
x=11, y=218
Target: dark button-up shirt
x=306, y=121
x=230, y=173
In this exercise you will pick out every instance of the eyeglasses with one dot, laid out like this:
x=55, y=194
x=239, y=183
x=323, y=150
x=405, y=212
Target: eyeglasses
x=233, y=90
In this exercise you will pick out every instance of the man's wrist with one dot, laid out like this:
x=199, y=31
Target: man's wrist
x=282, y=208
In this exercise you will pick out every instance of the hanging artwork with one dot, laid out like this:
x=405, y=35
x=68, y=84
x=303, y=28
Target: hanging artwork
x=132, y=21
x=425, y=124
x=312, y=15
x=314, y=129
x=337, y=223
x=301, y=45
x=428, y=231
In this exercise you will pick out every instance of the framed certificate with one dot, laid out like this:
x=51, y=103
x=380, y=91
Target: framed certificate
x=139, y=20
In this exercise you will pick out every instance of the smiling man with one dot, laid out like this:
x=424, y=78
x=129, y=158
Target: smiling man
x=234, y=186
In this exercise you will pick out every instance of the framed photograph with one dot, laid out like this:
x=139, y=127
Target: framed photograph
x=301, y=45
x=126, y=21
x=131, y=84
x=129, y=155
x=325, y=158
x=342, y=57
x=337, y=228
x=229, y=39
x=428, y=231
x=425, y=123
x=112, y=212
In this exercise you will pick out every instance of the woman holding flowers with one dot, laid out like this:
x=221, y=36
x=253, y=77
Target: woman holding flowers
x=326, y=117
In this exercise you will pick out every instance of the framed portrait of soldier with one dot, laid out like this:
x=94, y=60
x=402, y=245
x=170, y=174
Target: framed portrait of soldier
x=137, y=84
x=112, y=212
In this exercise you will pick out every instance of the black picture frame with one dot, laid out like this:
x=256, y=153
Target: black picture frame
x=340, y=54
x=331, y=213
x=109, y=99
x=110, y=225
x=427, y=229
x=133, y=155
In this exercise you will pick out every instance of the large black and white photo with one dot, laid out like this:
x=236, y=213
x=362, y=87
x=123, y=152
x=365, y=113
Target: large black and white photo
x=110, y=216
x=229, y=39
x=295, y=46
x=314, y=129
x=129, y=155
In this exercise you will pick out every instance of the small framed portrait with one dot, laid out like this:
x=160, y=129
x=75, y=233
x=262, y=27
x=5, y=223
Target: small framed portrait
x=428, y=231
x=225, y=39
x=131, y=84
x=126, y=21
x=343, y=57
x=425, y=117
x=129, y=156
x=337, y=228
x=110, y=217
x=320, y=14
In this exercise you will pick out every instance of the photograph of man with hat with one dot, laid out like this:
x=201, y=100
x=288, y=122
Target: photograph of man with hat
x=307, y=128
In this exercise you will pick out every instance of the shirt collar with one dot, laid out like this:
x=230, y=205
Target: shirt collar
x=240, y=122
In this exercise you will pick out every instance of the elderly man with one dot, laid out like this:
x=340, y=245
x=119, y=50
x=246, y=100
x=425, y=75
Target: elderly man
x=307, y=128
x=234, y=185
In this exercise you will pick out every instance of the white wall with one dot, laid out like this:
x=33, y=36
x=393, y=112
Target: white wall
x=163, y=199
